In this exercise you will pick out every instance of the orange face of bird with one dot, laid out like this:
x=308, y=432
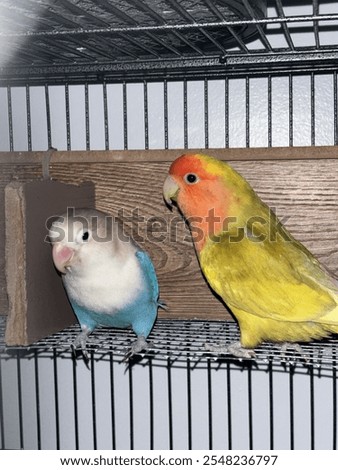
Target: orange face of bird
x=196, y=183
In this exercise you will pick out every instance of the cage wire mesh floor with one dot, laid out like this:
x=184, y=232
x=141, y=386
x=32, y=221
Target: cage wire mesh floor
x=179, y=340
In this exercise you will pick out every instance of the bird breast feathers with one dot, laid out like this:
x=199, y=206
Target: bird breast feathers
x=107, y=286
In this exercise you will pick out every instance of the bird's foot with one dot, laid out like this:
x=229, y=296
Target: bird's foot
x=235, y=349
x=80, y=342
x=296, y=348
x=141, y=344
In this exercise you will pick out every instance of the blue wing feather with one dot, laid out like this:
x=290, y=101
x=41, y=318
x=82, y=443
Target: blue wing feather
x=148, y=273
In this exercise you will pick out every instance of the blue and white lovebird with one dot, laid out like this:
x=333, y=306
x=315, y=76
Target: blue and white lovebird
x=110, y=281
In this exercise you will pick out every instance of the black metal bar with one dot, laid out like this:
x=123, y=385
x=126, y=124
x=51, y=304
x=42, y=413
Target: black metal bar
x=269, y=111
x=105, y=115
x=29, y=121
x=250, y=406
x=87, y=117
x=37, y=398
x=247, y=112
x=213, y=40
x=80, y=12
x=146, y=8
x=56, y=400
x=292, y=408
x=335, y=108
x=56, y=17
x=280, y=11
x=170, y=405
x=125, y=117
x=92, y=381
x=151, y=404
x=82, y=48
x=20, y=409
x=192, y=68
x=226, y=99
x=238, y=39
x=271, y=403
x=259, y=22
x=165, y=108
x=116, y=12
x=334, y=402
x=313, y=111
x=315, y=23
x=76, y=411
x=138, y=44
x=229, y=404
x=68, y=129
x=128, y=19
x=113, y=45
x=164, y=44
x=210, y=425
x=212, y=7
x=290, y=111
x=259, y=28
x=131, y=405
x=146, y=115
x=186, y=15
x=206, y=114
x=10, y=119
x=185, y=113
x=49, y=130
x=49, y=50
x=76, y=50
x=112, y=398
x=188, y=368
x=187, y=42
x=312, y=408
x=2, y=421
x=25, y=57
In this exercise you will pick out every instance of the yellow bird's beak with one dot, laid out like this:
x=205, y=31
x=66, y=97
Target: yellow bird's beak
x=170, y=190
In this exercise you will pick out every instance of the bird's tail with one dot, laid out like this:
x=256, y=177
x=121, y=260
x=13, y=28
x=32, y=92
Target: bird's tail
x=329, y=321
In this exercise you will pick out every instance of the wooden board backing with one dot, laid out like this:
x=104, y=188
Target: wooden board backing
x=301, y=184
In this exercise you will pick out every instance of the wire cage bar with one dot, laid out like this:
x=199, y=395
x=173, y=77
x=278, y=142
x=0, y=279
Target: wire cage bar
x=167, y=115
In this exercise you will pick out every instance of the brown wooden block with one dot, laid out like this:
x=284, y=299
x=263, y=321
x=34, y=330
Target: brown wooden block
x=38, y=305
x=10, y=172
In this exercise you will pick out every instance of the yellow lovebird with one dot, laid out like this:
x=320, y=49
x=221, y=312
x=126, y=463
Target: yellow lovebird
x=276, y=289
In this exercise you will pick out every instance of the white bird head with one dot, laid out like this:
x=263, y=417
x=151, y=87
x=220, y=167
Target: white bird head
x=81, y=237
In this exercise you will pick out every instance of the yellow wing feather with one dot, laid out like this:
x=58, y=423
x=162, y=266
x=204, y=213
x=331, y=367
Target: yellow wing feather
x=275, y=287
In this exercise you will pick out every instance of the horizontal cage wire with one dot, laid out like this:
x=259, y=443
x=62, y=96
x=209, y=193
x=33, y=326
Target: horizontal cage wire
x=179, y=340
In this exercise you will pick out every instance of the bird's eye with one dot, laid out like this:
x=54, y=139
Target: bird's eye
x=191, y=178
x=85, y=236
